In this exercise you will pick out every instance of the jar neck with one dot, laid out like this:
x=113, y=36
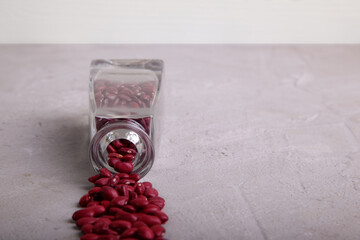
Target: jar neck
x=125, y=129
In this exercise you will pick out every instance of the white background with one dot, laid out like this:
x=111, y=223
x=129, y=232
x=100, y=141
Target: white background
x=180, y=21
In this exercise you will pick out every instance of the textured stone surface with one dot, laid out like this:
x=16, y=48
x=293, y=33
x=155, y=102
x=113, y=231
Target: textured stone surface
x=258, y=142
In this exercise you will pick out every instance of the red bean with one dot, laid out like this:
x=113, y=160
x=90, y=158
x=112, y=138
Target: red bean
x=109, y=217
x=92, y=179
x=127, y=181
x=134, y=176
x=119, y=201
x=120, y=225
x=123, y=191
x=112, y=90
x=158, y=230
x=151, y=208
x=108, y=237
x=102, y=182
x=134, y=105
x=129, y=208
x=117, y=144
x=144, y=232
x=158, y=201
x=113, y=161
x=129, y=238
x=148, y=219
x=94, y=191
x=105, y=173
x=129, y=232
x=90, y=236
x=100, y=227
x=111, y=149
x=162, y=216
x=139, y=202
x=87, y=228
x=147, y=185
x=128, y=158
x=122, y=175
x=104, y=219
x=122, y=215
x=98, y=210
x=140, y=188
x=125, y=151
x=86, y=212
x=114, y=210
x=84, y=200
x=124, y=167
x=109, y=193
x=132, y=195
x=113, y=180
x=93, y=203
x=85, y=220
x=151, y=192
x=138, y=224
x=115, y=155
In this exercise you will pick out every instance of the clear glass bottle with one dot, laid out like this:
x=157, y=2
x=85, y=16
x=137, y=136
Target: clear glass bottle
x=124, y=104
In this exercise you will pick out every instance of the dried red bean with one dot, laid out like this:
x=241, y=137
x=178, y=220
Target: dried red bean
x=113, y=180
x=158, y=230
x=123, y=191
x=112, y=90
x=128, y=158
x=144, y=232
x=94, y=191
x=158, y=201
x=113, y=161
x=151, y=192
x=120, y=225
x=117, y=144
x=134, y=176
x=151, y=208
x=114, y=210
x=108, y=237
x=147, y=185
x=100, y=227
x=98, y=210
x=149, y=219
x=127, y=181
x=84, y=200
x=129, y=208
x=102, y=182
x=86, y=212
x=87, y=228
x=125, y=151
x=109, y=193
x=124, y=97
x=90, y=236
x=140, y=188
x=122, y=175
x=138, y=224
x=129, y=238
x=129, y=232
x=109, y=217
x=122, y=215
x=92, y=179
x=93, y=203
x=105, y=173
x=119, y=201
x=85, y=220
x=115, y=155
x=111, y=149
x=132, y=195
x=104, y=219
x=161, y=215
x=124, y=167
x=139, y=202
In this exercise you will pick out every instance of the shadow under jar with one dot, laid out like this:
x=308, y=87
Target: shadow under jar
x=124, y=105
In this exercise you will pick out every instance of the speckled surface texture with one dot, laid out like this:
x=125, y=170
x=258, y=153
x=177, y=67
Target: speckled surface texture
x=258, y=142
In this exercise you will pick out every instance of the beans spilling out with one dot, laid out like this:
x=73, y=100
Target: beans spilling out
x=119, y=206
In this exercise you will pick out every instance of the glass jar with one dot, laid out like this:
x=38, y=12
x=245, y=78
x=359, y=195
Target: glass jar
x=124, y=99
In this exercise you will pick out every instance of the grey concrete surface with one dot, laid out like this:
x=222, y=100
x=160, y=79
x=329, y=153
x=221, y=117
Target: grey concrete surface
x=258, y=142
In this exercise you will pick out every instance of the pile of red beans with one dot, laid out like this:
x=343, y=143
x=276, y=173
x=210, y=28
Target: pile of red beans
x=119, y=206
